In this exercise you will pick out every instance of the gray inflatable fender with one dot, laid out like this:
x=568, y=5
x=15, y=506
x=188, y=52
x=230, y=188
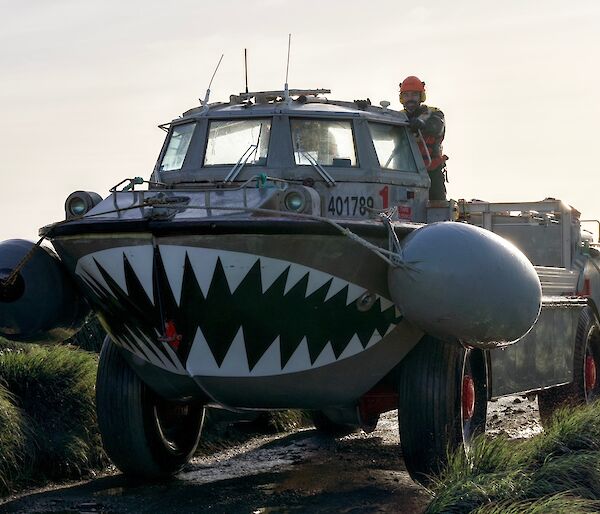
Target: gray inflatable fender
x=462, y=283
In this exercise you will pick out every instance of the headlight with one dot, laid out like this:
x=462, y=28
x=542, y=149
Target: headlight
x=294, y=201
x=300, y=199
x=80, y=202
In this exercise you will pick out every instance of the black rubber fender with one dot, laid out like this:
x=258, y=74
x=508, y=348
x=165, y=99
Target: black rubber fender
x=43, y=304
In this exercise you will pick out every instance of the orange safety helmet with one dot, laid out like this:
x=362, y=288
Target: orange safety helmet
x=413, y=83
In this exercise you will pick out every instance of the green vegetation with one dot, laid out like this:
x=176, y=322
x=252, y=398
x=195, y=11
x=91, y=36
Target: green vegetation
x=556, y=471
x=12, y=440
x=48, y=427
x=47, y=414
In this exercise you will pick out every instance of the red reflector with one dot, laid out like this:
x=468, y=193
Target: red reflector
x=172, y=338
x=587, y=288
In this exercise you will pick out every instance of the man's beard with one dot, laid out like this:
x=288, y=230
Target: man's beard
x=411, y=105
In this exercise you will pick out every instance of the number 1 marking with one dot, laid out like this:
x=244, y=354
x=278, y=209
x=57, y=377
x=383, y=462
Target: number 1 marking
x=384, y=193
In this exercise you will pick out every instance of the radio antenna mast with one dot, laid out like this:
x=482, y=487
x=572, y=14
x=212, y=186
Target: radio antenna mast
x=204, y=102
x=246, y=67
x=287, y=70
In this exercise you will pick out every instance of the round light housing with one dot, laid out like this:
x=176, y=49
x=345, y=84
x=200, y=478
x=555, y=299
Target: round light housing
x=77, y=206
x=294, y=201
x=80, y=202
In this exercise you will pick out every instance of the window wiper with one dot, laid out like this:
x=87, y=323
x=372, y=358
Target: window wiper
x=244, y=158
x=238, y=166
x=319, y=169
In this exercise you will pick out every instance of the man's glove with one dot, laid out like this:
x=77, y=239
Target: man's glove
x=416, y=124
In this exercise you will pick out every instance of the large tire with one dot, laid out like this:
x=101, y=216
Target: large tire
x=442, y=404
x=585, y=387
x=144, y=435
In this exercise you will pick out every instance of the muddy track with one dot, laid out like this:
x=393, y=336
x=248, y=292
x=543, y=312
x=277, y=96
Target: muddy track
x=298, y=472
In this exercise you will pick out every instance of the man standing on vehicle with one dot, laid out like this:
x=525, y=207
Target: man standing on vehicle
x=428, y=126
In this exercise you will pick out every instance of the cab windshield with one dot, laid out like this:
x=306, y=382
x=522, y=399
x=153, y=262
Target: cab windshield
x=326, y=142
x=392, y=147
x=181, y=135
x=231, y=140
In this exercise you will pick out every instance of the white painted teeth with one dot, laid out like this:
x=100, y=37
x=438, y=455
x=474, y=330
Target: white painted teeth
x=325, y=357
x=174, y=260
x=354, y=292
x=336, y=286
x=354, y=347
x=203, y=267
x=141, y=259
x=201, y=361
x=384, y=303
x=235, y=268
x=236, y=360
x=271, y=270
x=300, y=359
x=295, y=274
x=236, y=265
x=270, y=362
x=316, y=280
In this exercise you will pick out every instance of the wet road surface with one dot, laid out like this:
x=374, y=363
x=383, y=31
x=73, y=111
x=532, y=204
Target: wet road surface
x=299, y=472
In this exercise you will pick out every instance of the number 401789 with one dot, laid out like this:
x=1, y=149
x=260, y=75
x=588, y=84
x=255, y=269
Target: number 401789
x=350, y=205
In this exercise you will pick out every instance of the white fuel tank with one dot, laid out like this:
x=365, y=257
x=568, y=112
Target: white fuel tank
x=463, y=283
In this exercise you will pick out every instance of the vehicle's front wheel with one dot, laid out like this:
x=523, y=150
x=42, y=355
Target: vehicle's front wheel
x=442, y=403
x=143, y=434
x=585, y=387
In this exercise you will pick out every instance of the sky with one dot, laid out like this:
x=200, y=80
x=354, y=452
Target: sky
x=85, y=84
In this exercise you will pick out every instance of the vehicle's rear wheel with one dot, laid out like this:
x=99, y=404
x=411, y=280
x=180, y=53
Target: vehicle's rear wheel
x=585, y=387
x=143, y=434
x=442, y=404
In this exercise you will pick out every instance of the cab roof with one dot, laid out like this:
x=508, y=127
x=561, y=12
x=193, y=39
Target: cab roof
x=294, y=102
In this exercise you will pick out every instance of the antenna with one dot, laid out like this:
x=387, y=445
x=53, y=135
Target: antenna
x=204, y=102
x=246, y=67
x=287, y=70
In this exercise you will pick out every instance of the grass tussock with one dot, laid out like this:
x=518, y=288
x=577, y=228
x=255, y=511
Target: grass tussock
x=12, y=440
x=556, y=471
x=51, y=405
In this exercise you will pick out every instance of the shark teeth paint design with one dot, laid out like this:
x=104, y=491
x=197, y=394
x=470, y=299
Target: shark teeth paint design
x=204, y=289
x=353, y=348
x=201, y=360
x=139, y=257
x=270, y=362
x=384, y=303
x=174, y=259
x=300, y=359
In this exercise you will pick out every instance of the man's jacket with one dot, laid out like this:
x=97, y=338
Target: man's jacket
x=430, y=122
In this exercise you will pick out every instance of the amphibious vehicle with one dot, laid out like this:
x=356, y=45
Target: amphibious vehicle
x=284, y=254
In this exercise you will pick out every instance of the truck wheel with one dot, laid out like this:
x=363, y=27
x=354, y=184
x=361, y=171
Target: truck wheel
x=585, y=387
x=143, y=434
x=442, y=404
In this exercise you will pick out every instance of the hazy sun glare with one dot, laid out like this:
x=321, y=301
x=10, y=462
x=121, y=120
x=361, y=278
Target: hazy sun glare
x=85, y=84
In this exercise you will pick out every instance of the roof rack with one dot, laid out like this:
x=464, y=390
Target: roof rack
x=269, y=96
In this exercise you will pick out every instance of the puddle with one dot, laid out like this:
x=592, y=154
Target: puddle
x=255, y=457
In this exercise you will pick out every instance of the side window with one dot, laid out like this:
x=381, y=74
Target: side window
x=181, y=135
x=230, y=141
x=329, y=143
x=392, y=147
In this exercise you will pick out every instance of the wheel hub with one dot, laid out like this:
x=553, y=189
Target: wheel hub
x=468, y=397
x=590, y=373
